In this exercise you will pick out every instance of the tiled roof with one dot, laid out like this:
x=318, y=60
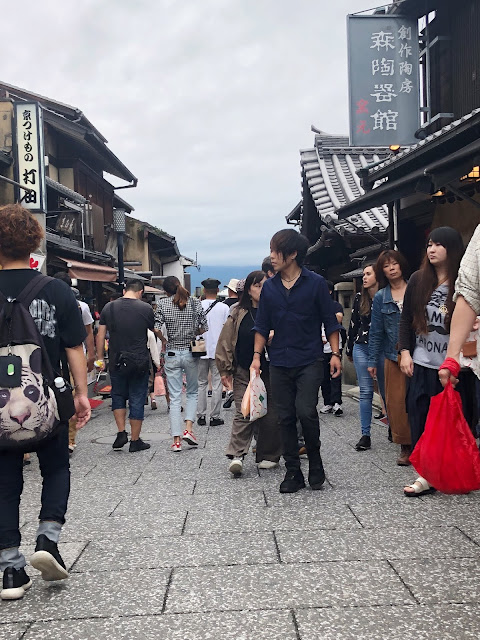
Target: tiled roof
x=392, y=160
x=330, y=170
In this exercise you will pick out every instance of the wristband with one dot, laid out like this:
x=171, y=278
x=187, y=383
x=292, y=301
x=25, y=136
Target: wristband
x=259, y=353
x=336, y=353
x=452, y=365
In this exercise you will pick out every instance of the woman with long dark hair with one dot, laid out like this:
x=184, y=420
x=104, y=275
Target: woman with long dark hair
x=357, y=352
x=391, y=270
x=425, y=327
x=184, y=319
x=233, y=356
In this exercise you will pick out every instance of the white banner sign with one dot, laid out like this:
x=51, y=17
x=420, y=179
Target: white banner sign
x=30, y=155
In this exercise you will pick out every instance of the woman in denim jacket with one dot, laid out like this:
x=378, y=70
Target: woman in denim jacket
x=391, y=269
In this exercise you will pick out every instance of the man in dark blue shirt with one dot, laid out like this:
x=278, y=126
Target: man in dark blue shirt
x=294, y=305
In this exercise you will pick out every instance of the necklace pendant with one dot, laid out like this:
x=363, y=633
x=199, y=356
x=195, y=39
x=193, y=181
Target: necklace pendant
x=443, y=308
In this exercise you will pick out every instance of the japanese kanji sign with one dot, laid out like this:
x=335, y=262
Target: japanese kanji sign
x=30, y=155
x=383, y=68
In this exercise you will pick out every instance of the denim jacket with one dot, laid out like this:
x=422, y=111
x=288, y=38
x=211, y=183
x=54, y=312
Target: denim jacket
x=384, y=328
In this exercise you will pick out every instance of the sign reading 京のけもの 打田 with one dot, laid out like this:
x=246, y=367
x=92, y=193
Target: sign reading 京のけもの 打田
x=30, y=155
x=383, y=67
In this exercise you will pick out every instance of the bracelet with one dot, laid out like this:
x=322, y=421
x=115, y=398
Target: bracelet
x=336, y=353
x=259, y=353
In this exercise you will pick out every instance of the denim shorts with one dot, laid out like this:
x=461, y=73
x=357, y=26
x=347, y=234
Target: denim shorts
x=131, y=388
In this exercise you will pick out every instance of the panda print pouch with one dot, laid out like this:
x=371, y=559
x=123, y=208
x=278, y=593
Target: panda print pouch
x=10, y=371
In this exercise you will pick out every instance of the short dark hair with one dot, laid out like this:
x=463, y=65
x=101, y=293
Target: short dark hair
x=267, y=266
x=63, y=275
x=386, y=256
x=134, y=285
x=287, y=241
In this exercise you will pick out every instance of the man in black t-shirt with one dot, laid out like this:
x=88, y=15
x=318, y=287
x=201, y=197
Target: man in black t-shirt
x=56, y=315
x=127, y=321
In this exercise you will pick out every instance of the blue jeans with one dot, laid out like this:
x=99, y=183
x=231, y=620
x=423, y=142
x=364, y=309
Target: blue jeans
x=176, y=364
x=131, y=388
x=365, y=381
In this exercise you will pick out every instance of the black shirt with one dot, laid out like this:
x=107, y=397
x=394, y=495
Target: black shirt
x=55, y=311
x=245, y=342
x=359, y=328
x=230, y=301
x=132, y=319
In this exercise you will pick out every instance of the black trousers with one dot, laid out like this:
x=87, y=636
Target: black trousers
x=331, y=387
x=53, y=457
x=424, y=385
x=295, y=393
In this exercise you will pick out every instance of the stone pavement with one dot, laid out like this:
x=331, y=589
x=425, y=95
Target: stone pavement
x=169, y=546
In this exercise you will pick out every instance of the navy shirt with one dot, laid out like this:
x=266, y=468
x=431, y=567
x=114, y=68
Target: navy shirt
x=296, y=316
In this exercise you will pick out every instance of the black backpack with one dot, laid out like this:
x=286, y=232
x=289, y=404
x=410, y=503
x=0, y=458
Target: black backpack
x=28, y=406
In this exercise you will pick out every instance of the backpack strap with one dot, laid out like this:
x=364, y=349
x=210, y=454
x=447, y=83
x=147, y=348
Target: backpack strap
x=28, y=294
x=3, y=299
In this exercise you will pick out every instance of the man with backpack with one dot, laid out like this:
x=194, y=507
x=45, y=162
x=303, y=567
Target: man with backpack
x=127, y=320
x=38, y=319
x=217, y=313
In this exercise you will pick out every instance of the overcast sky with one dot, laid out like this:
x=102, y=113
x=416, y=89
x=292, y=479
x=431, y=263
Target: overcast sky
x=206, y=102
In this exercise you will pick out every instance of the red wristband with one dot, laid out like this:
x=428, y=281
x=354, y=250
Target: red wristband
x=452, y=365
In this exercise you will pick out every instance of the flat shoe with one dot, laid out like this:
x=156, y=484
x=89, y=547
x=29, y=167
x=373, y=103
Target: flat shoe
x=420, y=488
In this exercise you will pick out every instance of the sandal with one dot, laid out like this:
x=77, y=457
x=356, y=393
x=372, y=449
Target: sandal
x=420, y=488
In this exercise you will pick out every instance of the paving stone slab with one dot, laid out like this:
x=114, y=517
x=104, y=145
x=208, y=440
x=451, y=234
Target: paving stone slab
x=374, y=544
x=87, y=595
x=401, y=512
x=114, y=527
x=245, y=625
x=446, y=622
x=434, y=580
x=185, y=551
x=285, y=586
x=12, y=631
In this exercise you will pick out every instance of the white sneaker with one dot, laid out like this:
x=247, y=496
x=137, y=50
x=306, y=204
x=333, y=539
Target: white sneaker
x=337, y=410
x=327, y=408
x=267, y=464
x=236, y=466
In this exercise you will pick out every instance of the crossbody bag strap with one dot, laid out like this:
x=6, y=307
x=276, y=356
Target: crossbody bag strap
x=113, y=324
x=211, y=307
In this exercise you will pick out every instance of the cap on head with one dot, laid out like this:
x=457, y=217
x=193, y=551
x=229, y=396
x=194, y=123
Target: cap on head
x=241, y=285
x=210, y=284
x=232, y=285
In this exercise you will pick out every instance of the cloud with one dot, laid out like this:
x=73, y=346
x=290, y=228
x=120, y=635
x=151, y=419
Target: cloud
x=208, y=103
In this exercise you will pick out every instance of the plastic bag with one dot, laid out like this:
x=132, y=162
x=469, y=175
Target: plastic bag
x=159, y=385
x=447, y=455
x=258, y=397
x=246, y=402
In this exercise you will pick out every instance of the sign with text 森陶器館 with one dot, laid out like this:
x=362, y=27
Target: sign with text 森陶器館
x=30, y=155
x=383, y=70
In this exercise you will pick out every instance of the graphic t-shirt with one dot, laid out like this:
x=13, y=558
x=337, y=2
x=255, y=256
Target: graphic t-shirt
x=431, y=348
x=55, y=311
x=132, y=319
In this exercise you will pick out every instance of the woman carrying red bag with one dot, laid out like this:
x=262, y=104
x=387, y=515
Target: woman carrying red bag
x=424, y=331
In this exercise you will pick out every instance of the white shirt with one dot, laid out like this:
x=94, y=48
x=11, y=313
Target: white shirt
x=216, y=319
x=86, y=315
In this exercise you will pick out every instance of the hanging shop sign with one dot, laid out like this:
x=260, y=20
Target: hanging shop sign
x=384, y=81
x=30, y=155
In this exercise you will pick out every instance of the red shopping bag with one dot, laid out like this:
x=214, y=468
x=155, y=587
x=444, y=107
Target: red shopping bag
x=447, y=455
x=158, y=385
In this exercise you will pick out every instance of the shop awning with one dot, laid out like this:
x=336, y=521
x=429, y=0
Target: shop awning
x=157, y=292
x=90, y=271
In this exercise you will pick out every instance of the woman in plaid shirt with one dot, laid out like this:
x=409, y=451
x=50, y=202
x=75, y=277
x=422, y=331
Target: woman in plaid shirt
x=184, y=319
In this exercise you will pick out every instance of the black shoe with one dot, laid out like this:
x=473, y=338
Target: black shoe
x=379, y=416
x=229, y=400
x=316, y=477
x=120, y=441
x=216, y=422
x=201, y=421
x=15, y=583
x=224, y=394
x=389, y=437
x=209, y=393
x=363, y=444
x=293, y=482
x=138, y=445
x=48, y=560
